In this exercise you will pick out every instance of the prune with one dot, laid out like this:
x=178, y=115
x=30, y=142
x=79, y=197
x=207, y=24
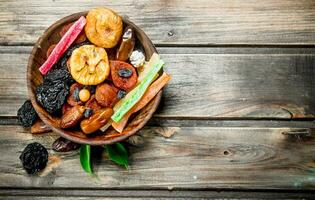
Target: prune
x=52, y=95
x=64, y=145
x=34, y=158
x=121, y=94
x=27, y=114
x=125, y=73
x=57, y=75
x=88, y=112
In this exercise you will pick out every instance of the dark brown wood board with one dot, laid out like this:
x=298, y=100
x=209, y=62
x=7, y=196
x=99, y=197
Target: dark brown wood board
x=194, y=158
x=207, y=82
x=198, y=22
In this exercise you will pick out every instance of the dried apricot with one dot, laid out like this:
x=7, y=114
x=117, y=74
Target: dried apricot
x=123, y=74
x=106, y=95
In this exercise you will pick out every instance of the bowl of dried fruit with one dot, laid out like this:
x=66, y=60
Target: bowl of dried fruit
x=95, y=77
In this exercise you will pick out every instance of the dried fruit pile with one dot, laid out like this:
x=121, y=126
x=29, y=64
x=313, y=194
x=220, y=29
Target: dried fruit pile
x=96, y=75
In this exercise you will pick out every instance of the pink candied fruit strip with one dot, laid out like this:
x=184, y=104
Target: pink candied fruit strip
x=63, y=44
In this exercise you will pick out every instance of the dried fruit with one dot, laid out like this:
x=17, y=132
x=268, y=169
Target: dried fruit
x=73, y=97
x=137, y=58
x=84, y=95
x=123, y=74
x=39, y=127
x=103, y=27
x=50, y=49
x=127, y=44
x=88, y=112
x=89, y=65
x=27, y=114
x=52, y=95
x=57, y=75
x=72, y=117
x=64, y=145
x=106, y=95
x=92, y=104
x=34, y=158
x=65, y=108
x=81, y=37
x=121, y=94
x=63, y=45
x=96, y=121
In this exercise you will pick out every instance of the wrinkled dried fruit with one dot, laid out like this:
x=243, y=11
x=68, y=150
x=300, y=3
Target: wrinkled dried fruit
x=88, y=112
x=127, y=44
x=96, y=121
x=89, y=65
x=121, y=94
x=73, y=97
x=92, y=104
x=103, y=27
x=52, y=95
x=72, y=117
x=39, y=127
x=27, y=114
x=64, y=145
x=106, y=95
x=34, y=158
x=65, y=108
x=58, y=75
x=123, y=74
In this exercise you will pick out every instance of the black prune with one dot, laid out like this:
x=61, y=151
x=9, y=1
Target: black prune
x=59, y=74
x=121, y=94
x=125, y=73
x=27, y=114
x=64, y=145
x=34, y=158
x=88, y=112
x=52, y=95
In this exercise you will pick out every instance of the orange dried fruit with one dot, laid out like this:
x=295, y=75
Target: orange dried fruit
x=123, y=74
x=103, y=27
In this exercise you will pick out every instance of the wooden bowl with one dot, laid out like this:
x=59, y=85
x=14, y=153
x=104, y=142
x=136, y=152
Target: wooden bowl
x=34, y=78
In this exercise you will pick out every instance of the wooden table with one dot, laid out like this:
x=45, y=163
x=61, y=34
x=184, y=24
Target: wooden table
x=241, y=103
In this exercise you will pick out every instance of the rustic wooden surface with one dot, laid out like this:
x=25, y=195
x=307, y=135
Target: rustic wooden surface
x=241, y=103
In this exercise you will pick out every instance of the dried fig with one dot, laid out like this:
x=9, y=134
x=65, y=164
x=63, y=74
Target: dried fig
x=96, y=121
x=89, y=65
x=103, y=27
x=73, y=97
x=127, y=44
x=123, y=74
x=72, y=117
x=106, y=95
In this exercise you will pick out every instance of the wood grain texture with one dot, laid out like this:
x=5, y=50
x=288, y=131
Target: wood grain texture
x=206, y=22
x=151, y=194
x=208, y=82
x=194, y=158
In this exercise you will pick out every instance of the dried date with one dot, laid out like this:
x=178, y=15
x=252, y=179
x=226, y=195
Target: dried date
x=64, y=145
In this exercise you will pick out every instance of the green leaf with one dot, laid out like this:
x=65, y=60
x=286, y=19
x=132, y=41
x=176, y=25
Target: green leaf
x=118, y=154
x=85, y=158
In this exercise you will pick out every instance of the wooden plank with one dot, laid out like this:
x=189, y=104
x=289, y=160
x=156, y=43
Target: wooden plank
x=207, y=82
x=206, y=22
x=194, y=158
x=150, y=194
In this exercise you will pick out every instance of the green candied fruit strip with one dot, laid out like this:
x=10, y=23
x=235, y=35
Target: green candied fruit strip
x=137, y=92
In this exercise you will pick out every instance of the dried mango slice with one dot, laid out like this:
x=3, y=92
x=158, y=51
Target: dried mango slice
x=89, y=65
x=103, y=27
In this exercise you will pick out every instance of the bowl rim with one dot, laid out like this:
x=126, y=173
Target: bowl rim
x=67, y=19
